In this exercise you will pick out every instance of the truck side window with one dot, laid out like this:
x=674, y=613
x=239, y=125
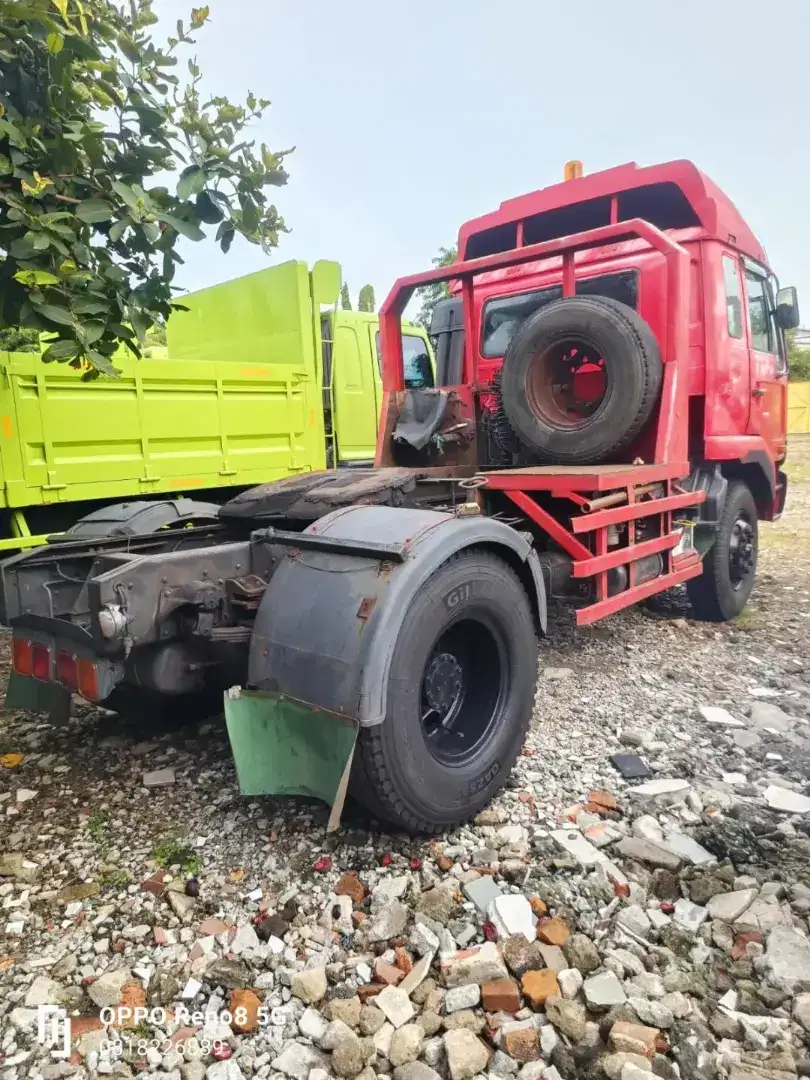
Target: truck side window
x=417, y=371
x=759, y=314
x=731, y=277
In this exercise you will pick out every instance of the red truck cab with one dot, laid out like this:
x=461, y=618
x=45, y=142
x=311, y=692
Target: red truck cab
x=665, y=243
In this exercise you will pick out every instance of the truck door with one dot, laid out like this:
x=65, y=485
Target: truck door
x=768, y=363
x=354, y=390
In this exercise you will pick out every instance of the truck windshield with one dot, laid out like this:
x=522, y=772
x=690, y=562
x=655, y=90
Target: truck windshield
x=416, y=368
x=502, y=317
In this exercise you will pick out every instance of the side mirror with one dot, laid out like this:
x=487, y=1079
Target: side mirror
x=787, y=308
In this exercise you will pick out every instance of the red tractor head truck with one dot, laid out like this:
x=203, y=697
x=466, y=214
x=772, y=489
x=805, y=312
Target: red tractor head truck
x=608, y=422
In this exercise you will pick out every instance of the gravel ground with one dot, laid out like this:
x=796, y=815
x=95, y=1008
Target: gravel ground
x=665, y=926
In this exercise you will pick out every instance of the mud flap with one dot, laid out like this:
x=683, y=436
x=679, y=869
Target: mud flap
x=283, y=746
x=34, y=695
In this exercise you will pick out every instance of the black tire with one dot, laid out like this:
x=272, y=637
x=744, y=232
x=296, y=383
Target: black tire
x=729, y=569
x=149, y=711
x=423, y=775
x=142, y=517
x=539, y=387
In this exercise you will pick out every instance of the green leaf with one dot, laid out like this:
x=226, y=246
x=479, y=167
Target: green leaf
x=21, y=248
x=227, y=240
x=129, y=48
x=62, y=350
x=125, y=192
x=250, y=215
x=101, y=363
x=185, y=228
x=36, y=277
x=94, y=210
x=118, y=229
x=92, y=331
x=41, y=241
x=151, y=231
x=89, y=307
x=207, y=209
x=56, y=314
x=191, y=182
x=140, y=323
x=54, y=42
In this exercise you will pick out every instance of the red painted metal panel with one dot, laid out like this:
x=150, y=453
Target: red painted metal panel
x=549, y=524
x=718, y=215
x=620, y=556
x=618, y=514
x=562, y=479
x=592, y=614
x=569, y=285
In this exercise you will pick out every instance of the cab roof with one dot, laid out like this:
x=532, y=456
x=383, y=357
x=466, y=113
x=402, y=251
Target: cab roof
x=673, y=195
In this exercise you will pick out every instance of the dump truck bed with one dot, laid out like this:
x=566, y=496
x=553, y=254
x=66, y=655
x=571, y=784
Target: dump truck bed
x=237, y=403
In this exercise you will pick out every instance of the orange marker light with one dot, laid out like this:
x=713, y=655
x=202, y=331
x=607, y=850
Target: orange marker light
x=88, y=681
x=573, y=170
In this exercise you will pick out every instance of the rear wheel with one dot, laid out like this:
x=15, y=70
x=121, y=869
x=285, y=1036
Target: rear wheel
x=729, y=570
x=460, y=696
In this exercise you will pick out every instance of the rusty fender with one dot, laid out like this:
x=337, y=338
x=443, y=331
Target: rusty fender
x=329, y=620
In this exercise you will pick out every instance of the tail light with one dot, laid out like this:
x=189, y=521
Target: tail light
x=32, y=658
x=41, y=662
x=21, y=658
x=67, y=670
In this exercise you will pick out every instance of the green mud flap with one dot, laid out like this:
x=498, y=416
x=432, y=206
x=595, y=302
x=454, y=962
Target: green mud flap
x=283, y=746
x=34, y=695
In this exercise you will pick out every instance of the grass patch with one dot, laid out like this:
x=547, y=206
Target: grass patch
x=116, y=878
x=174, y=852
x=97, y=827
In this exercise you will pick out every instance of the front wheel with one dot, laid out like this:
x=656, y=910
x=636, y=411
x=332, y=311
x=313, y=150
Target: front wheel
x=460, y=695
x=729, y=569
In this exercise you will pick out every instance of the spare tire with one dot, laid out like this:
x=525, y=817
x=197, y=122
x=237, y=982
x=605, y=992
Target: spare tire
x=580, y=380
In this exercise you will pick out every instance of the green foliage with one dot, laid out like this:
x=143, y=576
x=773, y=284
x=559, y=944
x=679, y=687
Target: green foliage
x=798, y=360
x=115, y=879
x=92, y=116
x=15, y=339
x=345, y=299
x=366, y=301
x=174, y=852
x=430, y=295
x=97, y=826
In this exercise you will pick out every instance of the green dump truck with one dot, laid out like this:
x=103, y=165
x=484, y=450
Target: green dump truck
x=263, y=377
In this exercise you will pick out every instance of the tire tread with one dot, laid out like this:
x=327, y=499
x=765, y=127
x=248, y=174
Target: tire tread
x=373, y=784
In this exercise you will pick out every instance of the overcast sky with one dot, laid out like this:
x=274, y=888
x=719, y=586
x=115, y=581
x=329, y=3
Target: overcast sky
x=410, y=117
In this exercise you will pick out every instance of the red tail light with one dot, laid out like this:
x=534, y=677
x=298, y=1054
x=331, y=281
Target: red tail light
x=66, y=670
x=21, y=658
x=41, y=662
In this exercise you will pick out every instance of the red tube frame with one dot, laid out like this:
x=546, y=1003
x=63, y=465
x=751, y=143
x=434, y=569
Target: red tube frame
x=671, y=438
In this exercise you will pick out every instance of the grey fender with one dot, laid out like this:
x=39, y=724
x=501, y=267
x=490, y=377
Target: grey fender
x=328, y=623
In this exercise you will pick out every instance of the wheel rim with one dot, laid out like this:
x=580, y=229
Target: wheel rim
x=462, y=691
x=742, y=551
x=566, y=383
